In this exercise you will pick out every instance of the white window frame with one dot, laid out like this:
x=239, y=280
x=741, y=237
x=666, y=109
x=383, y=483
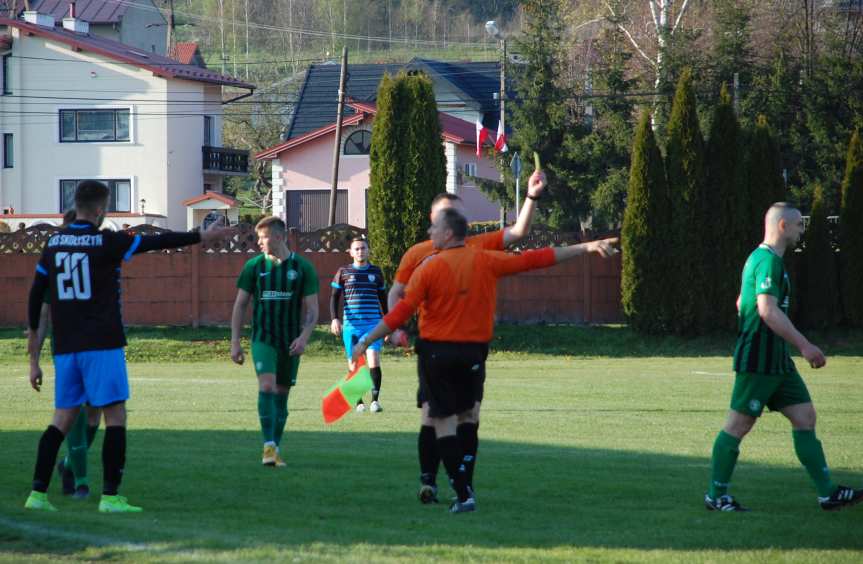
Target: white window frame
x=84, y=107
x=134, y=204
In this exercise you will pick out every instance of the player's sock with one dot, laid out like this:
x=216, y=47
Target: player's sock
x=46, y=457
x=266, y=409
x=113, y=458
x=726, y=449
x=451, y=455
x=91, y=434
x=467, y=436
x=811, y=456
x=376, y=382
x=428, y=455
x=281, y=416
x=76, y=443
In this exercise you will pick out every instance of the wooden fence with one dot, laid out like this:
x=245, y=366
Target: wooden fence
x=197, y=285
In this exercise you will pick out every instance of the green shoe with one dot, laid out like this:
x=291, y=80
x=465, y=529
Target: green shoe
x=117, y=504
x=39, y=501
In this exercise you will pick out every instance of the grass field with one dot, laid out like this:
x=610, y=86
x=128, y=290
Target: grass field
x=597, y=451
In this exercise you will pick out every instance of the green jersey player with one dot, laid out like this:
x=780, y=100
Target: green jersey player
x=283, y=287
x=765, y=373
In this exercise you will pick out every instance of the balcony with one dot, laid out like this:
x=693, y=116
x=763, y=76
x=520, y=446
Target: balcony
x=226, y=162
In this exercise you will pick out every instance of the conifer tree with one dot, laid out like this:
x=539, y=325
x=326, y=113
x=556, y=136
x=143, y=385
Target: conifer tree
x=851, y=233
x=818, y=291
x=765, y=182
x=645, y=295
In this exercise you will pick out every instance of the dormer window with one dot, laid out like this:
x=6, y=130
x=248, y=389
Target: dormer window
x=358, y=143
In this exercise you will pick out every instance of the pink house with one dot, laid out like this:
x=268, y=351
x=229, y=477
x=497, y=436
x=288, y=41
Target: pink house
x=302, y=169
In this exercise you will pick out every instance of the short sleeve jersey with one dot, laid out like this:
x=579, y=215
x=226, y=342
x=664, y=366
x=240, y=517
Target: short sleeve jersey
x=362, y=293
x=758, y=349
x=82, y=264
x=491, y=241
x=277, y=291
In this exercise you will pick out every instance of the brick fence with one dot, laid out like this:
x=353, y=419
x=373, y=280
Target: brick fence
x=197, y=286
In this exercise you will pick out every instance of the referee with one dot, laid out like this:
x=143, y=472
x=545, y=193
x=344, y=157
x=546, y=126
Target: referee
x=455, y=293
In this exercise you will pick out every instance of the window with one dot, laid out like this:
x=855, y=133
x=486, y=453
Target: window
x=358, y=143
x=119, y=200
x=87, y=126
x=8, y=152
x=470, y=169
x=208, y=131
x=7, y=75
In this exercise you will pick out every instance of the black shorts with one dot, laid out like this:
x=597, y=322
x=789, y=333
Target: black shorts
x=480, y=384
x=451, y=376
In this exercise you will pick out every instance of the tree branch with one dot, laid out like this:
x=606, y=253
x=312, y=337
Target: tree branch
x=679, y=15
x=635, y=45
x=653, y=14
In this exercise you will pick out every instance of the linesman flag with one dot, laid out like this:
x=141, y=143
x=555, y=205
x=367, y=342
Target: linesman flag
x=341, y=398
x=481, y=136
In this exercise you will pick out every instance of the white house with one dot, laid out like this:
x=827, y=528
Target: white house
x=78, y=106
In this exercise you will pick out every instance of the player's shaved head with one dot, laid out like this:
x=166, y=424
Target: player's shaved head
x=778, y=212
x=455, y=222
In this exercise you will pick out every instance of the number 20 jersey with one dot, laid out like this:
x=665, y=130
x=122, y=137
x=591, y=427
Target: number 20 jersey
x=83, y=269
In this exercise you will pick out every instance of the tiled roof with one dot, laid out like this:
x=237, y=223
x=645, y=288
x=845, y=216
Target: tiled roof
x=318, y=99
x=92, y=11
x=158, y=64
x=210, y=195
x=184, y=52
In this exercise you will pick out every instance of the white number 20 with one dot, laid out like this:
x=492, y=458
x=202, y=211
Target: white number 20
x=73, y=276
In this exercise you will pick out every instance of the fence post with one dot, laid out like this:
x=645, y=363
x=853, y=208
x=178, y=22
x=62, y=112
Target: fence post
x=195, y=280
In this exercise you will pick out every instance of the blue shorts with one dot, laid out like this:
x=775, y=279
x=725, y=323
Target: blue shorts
x=351, y=334
x=96, y=377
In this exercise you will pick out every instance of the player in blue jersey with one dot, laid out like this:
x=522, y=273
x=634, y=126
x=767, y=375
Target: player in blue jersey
x=364, y=290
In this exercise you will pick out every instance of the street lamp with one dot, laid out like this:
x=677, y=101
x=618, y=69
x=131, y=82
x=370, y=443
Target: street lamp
x=494, y=31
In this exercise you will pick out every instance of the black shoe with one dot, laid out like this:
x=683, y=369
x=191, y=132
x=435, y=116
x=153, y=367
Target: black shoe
x=842, y=497
x=428, y=494
x=722, y=503
x=68, y=478
x=81, y=492
x=463, y=506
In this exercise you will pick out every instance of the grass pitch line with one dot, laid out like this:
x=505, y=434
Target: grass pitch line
x=700, y=373
x=94, y=540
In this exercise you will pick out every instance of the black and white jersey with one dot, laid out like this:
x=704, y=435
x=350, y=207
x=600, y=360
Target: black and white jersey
x=80, y=266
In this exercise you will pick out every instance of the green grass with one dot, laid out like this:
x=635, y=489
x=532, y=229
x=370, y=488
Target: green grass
x=587, y=457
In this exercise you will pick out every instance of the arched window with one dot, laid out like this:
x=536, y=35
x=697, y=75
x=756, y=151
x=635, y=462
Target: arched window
x=358, y=143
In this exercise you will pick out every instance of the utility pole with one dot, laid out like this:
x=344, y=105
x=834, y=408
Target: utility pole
x=338, y=142
x=222, y=31
x=171, y=23
x=502, y=115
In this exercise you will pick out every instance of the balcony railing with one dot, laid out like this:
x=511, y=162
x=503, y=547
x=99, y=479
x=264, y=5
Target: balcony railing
x=226, y=161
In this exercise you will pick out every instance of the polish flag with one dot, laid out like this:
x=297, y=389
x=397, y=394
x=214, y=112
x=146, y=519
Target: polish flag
x=500, y=144
x=481, y=136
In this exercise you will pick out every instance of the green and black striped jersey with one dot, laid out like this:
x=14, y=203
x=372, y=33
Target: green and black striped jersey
x=759, y=350
x=277, y=291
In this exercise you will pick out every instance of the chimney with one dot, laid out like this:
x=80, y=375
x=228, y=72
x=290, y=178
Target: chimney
x=42, y=20
x=71, y=23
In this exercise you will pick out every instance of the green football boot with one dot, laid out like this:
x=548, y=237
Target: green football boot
x=117, y=504
x=39, y=501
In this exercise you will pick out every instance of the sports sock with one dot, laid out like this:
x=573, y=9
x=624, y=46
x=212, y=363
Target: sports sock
x=281, y=416
x=76, y=443
x=451, y=455
x=811, y=456
x=726, y=449
x=46, y=457
x=467, y=436
x=428, y=455
x=376, y=382
x=113, y=458
x=266, y=408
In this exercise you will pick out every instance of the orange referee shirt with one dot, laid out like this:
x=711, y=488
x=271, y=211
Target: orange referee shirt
x=413, y=257
x=456, y=292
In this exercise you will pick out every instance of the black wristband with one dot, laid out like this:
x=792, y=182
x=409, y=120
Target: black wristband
x=534, y=198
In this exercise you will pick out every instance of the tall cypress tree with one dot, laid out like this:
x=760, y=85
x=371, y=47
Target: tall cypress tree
x=764, y=178
x=728, y=199
x=690, y=248
x=644, y=235
x=851, y=233
x=408, y=168
x=818, y=288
